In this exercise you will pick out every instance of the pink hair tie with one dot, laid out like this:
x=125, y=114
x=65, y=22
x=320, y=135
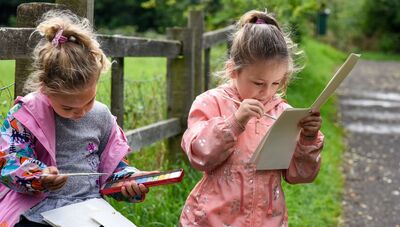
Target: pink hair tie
x=59, y=38
x=260, y=21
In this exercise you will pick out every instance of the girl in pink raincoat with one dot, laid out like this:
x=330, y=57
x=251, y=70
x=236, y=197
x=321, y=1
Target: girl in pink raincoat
x=226, y=124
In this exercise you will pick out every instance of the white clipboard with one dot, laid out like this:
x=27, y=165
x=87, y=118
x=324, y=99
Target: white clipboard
x=276, y=148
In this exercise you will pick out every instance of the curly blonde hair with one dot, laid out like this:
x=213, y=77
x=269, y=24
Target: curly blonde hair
x=258, y=36
x=68, y=66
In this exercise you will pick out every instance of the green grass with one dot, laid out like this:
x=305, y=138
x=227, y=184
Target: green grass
x=316, y=204
x=319, y=203
x=7, y=69
x=378, y=56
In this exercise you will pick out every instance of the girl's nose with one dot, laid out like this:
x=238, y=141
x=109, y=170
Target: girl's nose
x=80, y=114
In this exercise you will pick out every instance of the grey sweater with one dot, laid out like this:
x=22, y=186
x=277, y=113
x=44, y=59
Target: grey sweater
x=79, y=145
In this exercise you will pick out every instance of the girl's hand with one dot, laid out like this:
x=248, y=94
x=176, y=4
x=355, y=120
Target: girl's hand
x=53, y=183
x=310, y=125
x=131, y=188
x=249, y=108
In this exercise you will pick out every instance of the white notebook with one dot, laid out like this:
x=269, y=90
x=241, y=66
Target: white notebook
x=90, y=213
x=276, y=148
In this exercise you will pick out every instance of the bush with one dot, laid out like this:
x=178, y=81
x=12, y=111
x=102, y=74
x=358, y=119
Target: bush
x=382, y=20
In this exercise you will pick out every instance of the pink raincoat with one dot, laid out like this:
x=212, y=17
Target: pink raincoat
x=232, y=192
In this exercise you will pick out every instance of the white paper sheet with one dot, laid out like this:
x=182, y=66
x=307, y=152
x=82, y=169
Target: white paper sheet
x=90, y=213
x=276, y=148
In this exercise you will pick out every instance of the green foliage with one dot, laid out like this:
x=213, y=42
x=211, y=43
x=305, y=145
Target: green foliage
x=375, y=26
x=143, y=14
x=345, y=29
x=382, y=15
x=382, y=19
x=296, y=15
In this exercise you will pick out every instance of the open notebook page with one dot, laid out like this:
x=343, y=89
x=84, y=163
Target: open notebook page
x=276, y=148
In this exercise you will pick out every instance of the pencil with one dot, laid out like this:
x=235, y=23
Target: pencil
x=72, y=174
x=237, y=102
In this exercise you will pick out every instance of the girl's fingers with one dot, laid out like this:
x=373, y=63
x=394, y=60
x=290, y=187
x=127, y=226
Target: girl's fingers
x=254, y=105
x=311, y=118
x=60, y=180
x=305, y=123
x=132, y=189
x=55, y=183
x=124, y=191
x=311, y=128
x=143, y=189
x=57, y=186
x=311, y=124
x=255, y=111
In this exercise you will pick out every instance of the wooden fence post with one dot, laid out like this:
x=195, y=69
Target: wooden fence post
x=180, y=84
x=27, y=15
x=117, y=90
x=196, y=23
x=207, y=69
x=82, y=8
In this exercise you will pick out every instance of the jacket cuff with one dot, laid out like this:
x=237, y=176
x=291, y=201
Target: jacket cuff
x=307, y=141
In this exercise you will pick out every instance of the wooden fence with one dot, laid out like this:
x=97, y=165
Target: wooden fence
x=187, y=71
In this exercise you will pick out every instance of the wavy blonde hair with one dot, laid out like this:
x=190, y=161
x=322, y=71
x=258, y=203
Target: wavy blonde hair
x=258, y=36
x=69, y=66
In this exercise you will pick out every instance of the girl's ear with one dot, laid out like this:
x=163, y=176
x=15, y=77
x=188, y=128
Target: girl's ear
x=41, y=90
x=230, y=68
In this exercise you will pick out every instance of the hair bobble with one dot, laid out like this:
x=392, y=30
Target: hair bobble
x=260, y=21
x=59, y=38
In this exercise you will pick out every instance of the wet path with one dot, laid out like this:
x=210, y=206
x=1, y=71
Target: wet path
x=370, y=112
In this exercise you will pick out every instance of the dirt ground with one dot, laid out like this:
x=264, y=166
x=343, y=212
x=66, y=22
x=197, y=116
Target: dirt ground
x=369, y=102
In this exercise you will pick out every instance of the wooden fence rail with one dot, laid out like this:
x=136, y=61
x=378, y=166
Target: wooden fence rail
x=185, y=66
x=19, y=43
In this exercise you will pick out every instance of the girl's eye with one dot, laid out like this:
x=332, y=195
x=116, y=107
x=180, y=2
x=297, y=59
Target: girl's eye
x=258, y=84
x=276, y=83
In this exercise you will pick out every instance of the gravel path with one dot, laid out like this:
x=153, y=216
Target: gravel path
x=370, y=112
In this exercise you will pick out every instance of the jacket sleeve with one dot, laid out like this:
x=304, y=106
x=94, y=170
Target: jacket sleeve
x=306, y=160
x=123, y=171
x=19, y=168
x=210, y=136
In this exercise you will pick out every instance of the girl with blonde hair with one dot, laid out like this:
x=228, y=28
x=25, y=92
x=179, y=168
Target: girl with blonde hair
x=59, y=127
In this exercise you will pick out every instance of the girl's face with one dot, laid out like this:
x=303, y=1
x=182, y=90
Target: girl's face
x=260, y=80
x=74, y=106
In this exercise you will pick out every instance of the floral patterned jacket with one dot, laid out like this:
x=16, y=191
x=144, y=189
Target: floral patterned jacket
x=27, y=146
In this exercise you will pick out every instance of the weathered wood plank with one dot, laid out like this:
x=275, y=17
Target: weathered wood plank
x=196, y=23
x=83, y=8
x=180, y=84
x=150, y=134
x=27, y=15
x=117, y=90
x=207, y=68
x=18, y=43
x=218, y=36
x=123, y=46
